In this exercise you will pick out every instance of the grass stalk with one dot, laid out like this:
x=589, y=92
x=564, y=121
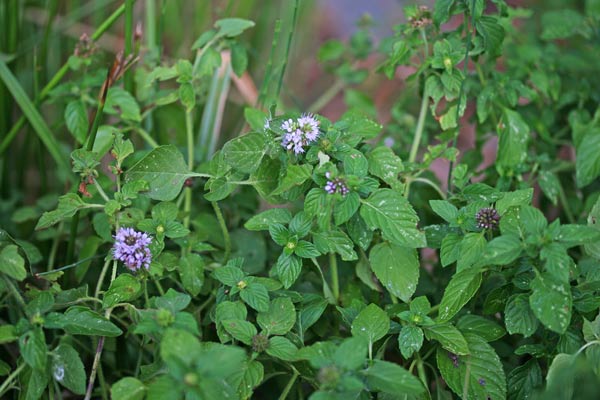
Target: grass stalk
x=128, y=77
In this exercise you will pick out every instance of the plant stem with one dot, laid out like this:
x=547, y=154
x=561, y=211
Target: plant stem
x=327, y=96
x=101, y=277
x=146, y=136
x=189, y=130
x=10, y=378
x=101, y=191
x=14, y=291
x=224, y=230
x=462, y=88
x=90, y=387
x=335, y=284
x=287, y=49
x=289, y=385
x=422, y=112
x=128, y=78
x=267, y=78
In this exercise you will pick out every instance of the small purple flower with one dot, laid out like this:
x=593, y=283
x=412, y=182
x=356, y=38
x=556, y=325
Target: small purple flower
x=131, y=247
x=487, y=218
x=300, y=133
x=454, y=359
x=336, y=185
x=481, y=381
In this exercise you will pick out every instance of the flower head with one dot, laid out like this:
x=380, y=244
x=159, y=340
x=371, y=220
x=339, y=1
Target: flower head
x=487, y=218
x=299, y=133
x=131, y=247
x=336, y=185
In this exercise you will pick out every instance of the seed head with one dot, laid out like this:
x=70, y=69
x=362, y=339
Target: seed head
x=131, y=247
x=487, y=218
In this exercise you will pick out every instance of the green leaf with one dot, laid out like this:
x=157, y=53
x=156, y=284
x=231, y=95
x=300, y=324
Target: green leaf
x=512, y=146
x=503, y=250
x=372, y=323
x=450, y=250
x=471, y=250
x=518, y=316
x=550, y=185
x=239, y=58
x=397, y=268
x=441, y=11
x=356, y=123
x=448, y=336
x=164, y=170
x=11, y=263
x=231, y=27
x=240, y=330
x=391, y=378
x=282, y=348
x=575, y=235
x=191, y=271
x=351, y=354
x=517, y=198
x=120, y=101
x=244, y=153
x=551, y=302
x=228, y=275
x=265, y=219
x=8, y=334
x=68, y=205
x=306, y=249
x=557, y=261
x=355, y=163
x=187, y=95
x=593, y=221
x=288, y=268
x=481, y=369
x=318, y=203
x=561, y=24
x=384, y=164
x=256, y=296
x=173, y=301
x=77, y=120
x=336, y=242
x=125, y=288
x=480, y=326
x=410, y=340
x=79, y=320
x=560, y=379
x=279, y=319
x=253, y=376
x=295, y=175
x=346, y=208
x=33, y=348
x=300, y=225
x=444, y=209
x=128, y=388
x=461, y=288
x=524, y=379
x=389, y=211
x=67, y=368
x=492, y=32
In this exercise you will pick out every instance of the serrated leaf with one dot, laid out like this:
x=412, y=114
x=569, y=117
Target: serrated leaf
x=512, y=146
x=390, y=212
x=448, y=336
x=518, y=316
x=346, y=207
x=33, y=348
x=279, y=319
x=450, y=250
x=124, y=288
x=191, y=271
x=336, y=242
x=282, y=348
x=295, y=175
x=551, y=303
x=83, y=321
x=391, y=378
x=503, y=250
x=444, y=209
x=256, y=296
x=265, y=219
x=372, y=323
x=164, y=170
x=68, y=205
x=288, y=268
x=410, y=340
x=384, y=164
x=480, y=326
x=461, y=288
x=482, y=369
x=76, y=120
x=492, y=32
x=67, y=368
x=524, y=379
x=240, y=330
x=128, y=388
x=244, y=153
x=397, y=268
x=11, y=263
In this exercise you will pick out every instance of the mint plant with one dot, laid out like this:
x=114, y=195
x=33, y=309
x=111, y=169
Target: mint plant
x=308, y=257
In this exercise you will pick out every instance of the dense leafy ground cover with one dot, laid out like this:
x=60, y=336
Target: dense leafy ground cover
x=170, y=231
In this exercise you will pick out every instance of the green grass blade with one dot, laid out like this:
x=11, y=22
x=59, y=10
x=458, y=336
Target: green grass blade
x=34, y=117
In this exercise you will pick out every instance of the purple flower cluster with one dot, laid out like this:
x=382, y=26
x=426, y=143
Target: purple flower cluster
x=131, y=247
x=300, y=133
x=487, y=218
x=335, y=185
